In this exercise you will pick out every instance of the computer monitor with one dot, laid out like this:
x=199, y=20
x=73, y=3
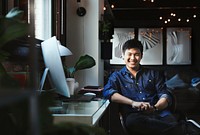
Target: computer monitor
x=52, y=51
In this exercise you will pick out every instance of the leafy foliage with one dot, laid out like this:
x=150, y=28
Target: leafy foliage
x=11, y=27
x=84, y=62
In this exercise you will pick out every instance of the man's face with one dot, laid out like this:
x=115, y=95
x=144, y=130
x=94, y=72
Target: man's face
x=132, y=58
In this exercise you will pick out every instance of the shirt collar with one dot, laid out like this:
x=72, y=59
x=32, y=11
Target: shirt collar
x=126, y=71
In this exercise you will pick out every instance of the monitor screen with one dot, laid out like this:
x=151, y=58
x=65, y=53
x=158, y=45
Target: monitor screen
x=52, y=52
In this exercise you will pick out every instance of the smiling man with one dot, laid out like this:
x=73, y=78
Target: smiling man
x=143, y=97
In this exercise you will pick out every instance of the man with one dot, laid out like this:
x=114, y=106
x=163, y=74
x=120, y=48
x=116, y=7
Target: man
x=143, y=97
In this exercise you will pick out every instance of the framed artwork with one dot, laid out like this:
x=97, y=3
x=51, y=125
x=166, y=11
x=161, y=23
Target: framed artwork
x=152, y=40
x=178, y=46
x=121, y=35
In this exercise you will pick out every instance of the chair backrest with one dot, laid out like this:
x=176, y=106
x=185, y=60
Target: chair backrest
x=122, y=123
x=174, y=102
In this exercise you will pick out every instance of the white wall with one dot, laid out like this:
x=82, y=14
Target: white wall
x=83, y=38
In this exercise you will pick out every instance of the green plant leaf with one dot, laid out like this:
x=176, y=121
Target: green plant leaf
x=84, y=62
x=15, y=14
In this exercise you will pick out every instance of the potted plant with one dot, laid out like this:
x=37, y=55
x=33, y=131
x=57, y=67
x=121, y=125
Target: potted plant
x=11, y=27
x=83, y=62
x=106, y=32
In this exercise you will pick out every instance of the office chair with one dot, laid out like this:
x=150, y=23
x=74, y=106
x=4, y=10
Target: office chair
x=172, y=109
x=122, y=123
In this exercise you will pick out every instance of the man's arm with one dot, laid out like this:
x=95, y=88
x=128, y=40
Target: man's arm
x=118, y=98
x=161, y=104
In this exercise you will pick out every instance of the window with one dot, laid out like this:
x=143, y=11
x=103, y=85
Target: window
x=43, y=19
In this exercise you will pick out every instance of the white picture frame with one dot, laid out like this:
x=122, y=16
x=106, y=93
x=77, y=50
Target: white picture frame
x=178, y=46
x=152, y=40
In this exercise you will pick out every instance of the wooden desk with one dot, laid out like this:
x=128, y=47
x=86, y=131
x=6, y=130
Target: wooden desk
x=81, y=112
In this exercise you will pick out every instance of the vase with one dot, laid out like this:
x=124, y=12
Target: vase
x=72, y=85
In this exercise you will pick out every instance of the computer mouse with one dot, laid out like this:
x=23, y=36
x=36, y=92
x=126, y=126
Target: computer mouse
x=90, y=93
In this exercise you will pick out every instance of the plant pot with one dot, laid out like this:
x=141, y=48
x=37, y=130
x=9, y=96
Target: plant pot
x=72, y=85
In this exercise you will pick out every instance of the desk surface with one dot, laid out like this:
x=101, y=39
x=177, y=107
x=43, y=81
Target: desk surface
x=81, y=112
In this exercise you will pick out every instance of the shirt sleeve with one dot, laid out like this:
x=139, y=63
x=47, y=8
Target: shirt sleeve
x=161, y=88
x=111, y=87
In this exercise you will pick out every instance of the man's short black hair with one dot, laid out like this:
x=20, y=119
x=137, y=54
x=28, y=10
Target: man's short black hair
x=132, y=43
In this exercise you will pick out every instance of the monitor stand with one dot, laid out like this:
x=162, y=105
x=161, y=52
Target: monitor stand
x=42, y=81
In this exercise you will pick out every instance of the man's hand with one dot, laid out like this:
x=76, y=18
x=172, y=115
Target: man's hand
x=141, y=106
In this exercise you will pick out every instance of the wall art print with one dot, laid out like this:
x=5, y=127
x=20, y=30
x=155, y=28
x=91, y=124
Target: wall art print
x=121, y=35
x=152, y=41
x=179, y=46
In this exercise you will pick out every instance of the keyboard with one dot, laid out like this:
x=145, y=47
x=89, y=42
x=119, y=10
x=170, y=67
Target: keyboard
x=77, y=98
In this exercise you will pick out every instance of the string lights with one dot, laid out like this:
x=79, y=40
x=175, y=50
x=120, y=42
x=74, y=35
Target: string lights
x=148, y=1
x=173, y=17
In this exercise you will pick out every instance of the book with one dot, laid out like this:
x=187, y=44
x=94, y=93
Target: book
x=94, y=89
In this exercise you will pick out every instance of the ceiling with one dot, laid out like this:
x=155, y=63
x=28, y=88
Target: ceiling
x=147, y=10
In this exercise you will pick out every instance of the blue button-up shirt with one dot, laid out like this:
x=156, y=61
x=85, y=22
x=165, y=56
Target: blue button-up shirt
x=147, y=86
